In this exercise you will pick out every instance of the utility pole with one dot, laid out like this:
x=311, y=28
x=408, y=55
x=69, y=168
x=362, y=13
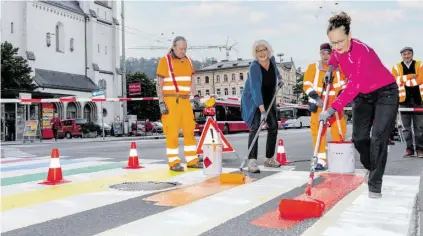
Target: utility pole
x=123, y=60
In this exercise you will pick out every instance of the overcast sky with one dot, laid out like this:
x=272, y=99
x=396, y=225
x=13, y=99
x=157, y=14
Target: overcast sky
x=293, y=28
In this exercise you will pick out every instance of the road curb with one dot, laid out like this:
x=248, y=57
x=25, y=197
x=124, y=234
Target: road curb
x=416, y=220
x=91, y=141
x=420, y=208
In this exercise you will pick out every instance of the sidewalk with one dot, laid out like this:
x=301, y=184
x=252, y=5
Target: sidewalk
x=78, y=140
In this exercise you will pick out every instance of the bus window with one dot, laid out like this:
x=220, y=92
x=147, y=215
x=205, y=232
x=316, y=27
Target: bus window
x=303, y=112
x=220, y=113
x=199, y=117
x=234, y=114
x=287, y=114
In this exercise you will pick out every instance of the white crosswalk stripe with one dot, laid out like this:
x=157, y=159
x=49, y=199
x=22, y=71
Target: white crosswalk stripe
x=13, y=152
x=200, y=204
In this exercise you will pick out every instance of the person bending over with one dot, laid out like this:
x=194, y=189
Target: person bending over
x=374, y=93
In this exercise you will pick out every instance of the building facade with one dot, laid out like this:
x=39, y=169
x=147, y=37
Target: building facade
x=73, y=50
x=227, y=78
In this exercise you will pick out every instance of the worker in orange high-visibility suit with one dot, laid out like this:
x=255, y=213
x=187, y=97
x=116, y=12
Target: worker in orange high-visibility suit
x=174, y=86
x=314, y=86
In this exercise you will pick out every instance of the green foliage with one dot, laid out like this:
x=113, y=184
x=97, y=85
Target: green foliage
x=15, y=72
x=143, y=109
x=298, y=91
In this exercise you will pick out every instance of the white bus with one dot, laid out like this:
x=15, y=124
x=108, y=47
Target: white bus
x=294, y=117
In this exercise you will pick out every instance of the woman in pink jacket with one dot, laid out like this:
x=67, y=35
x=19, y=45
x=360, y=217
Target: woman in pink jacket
x=374, y=93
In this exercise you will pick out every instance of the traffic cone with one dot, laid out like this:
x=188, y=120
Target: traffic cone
x=54, y=175
x=280, y=155
x=133, y=162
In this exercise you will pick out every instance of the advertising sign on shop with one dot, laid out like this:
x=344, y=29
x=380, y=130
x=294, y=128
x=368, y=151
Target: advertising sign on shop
x=134, y=88
x=47, y=113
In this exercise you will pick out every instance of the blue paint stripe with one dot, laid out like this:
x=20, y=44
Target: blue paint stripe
x=41, y=165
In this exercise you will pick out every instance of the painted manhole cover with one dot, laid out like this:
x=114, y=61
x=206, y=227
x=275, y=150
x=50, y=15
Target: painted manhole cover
x=144, y=186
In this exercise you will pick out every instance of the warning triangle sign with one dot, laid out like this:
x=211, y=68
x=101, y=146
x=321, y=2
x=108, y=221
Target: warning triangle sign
x=207, y=135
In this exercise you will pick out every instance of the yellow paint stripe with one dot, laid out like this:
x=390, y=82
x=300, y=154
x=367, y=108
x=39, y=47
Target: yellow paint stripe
x=72, y=189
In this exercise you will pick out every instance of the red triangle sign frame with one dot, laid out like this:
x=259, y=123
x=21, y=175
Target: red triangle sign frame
x=210, y=122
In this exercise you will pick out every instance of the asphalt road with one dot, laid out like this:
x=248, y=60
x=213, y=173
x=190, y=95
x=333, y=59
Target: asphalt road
x=95, y=212
x=297, y=142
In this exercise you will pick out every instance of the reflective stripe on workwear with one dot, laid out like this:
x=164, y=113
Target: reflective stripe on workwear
x=176, y=84
x=317, y=79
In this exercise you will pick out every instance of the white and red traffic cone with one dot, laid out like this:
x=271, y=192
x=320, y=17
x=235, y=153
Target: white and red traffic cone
x=133, y=162
x=280, y=155
x=54, y=175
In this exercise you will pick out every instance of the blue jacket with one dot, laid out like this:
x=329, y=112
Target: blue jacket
x=251, y=96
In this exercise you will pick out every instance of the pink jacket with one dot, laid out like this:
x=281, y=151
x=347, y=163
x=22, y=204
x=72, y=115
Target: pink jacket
x=363, y=69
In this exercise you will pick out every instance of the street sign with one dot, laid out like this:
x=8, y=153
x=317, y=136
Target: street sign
x=206, y=135
x=25, y=96
x=98, y=93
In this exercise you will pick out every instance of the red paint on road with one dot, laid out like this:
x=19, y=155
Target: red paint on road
x=331, y=191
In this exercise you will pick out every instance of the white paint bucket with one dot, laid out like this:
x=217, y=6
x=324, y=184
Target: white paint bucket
x=341, y=157
x=212, y=159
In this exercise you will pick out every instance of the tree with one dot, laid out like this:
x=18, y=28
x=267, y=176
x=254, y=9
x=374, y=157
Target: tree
x=143, y=109
x=15, y=72
x=298, y=90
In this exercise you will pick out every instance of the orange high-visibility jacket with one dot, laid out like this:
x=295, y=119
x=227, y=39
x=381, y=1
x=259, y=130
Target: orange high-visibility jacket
x=314, y=78
x=177, y=75
x=407, y=80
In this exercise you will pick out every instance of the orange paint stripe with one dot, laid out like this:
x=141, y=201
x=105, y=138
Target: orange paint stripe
x=331, y=191
x=192, y=193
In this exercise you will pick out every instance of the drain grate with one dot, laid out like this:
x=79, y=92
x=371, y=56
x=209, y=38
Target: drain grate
x=144, y=186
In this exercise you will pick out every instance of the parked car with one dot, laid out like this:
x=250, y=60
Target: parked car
x=158, y=127
x=71, y=128
x=107, y=128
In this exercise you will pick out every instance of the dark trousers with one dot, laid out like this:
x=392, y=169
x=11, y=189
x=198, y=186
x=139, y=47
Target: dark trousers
x=377, y=112
x=55, y=133
x=416, y=120
x=272, y=133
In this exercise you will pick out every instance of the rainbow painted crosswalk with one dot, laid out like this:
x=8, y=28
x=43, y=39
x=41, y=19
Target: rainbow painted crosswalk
x=198, y=205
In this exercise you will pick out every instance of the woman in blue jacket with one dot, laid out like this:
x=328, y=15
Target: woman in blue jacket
x=260, y=87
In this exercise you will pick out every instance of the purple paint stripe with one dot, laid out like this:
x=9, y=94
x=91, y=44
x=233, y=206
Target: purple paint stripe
x=17, y=160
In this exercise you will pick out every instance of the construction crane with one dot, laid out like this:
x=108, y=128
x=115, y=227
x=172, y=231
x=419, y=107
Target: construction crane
x=200, y=47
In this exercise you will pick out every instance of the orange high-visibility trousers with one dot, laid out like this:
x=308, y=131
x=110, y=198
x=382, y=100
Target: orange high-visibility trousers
x=180, y=116
x=314, y=127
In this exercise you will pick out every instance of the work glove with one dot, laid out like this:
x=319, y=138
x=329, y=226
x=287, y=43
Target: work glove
x=197, y=101
x=319, y=102
x=280, y=81
x=263, y=116
x=163, y=108
x=328, y=79
x=324, y=116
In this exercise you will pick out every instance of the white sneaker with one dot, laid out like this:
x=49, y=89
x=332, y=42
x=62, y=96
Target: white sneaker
x=375, y=195
x=253, y=167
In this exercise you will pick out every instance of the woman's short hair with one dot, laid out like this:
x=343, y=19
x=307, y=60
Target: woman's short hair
x=262, y=43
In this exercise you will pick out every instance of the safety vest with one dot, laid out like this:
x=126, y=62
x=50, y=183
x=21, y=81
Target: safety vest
x=337, y=85
x=406, y=80
x=179, y=82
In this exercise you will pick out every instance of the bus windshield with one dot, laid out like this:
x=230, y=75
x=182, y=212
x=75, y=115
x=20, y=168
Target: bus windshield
x=199, y=117
x=287, y=114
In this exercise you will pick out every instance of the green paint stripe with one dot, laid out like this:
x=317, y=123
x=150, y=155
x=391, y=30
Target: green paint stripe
x=40, y=176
